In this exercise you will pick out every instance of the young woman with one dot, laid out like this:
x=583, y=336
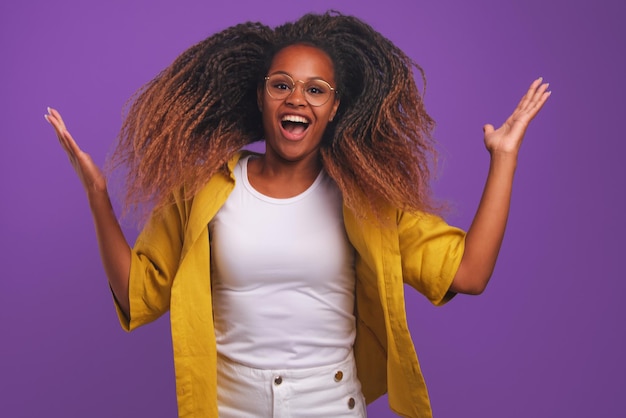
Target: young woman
x=284, y=271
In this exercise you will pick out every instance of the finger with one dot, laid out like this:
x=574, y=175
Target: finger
x=54, y=117
x=70, y=143
x=57, y=116
x=540, y=96
x=58, y=128
x=530, y=93
x=533, y=105
x=538, y=90
x=488, y=128
x=539, y=104
x=65, y=138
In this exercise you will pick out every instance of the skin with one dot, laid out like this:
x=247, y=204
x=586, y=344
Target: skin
x=114, y=249
x=484, y=237
x=290, y=167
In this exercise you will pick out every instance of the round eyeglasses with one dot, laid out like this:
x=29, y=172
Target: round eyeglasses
x=316, y=91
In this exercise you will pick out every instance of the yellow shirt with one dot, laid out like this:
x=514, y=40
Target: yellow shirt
x=170, y=269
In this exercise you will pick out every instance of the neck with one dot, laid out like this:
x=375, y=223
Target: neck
x=282, y=179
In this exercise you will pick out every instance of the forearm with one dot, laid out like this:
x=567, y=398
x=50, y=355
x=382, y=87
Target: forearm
x=484, y=237
x=114, y=249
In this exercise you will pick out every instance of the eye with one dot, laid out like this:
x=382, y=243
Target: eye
x=281, y=85
x=316, y=89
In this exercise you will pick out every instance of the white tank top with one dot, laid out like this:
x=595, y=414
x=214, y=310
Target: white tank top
x=282, y=277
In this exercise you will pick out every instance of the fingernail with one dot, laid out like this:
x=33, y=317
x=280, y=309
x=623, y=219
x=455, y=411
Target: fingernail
x=48, y=109
x=46, y=118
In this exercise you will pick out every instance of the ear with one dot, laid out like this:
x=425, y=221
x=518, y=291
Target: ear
x=333, y=112
x=259, y=97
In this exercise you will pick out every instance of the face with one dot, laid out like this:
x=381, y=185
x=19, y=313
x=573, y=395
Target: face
x=293, y=127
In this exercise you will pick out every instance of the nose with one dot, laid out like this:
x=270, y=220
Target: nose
x=297, y=97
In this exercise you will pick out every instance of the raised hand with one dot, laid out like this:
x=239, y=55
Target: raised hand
x=485, y=235
x=114, y=249
x=508, y=137
x=88, y=172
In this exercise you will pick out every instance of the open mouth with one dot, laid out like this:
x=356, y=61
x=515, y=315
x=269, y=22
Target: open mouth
x=295, y=125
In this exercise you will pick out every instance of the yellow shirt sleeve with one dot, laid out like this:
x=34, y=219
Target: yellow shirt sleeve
x=431, y=251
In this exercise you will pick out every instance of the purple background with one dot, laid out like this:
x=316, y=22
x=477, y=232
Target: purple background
x=545, y=340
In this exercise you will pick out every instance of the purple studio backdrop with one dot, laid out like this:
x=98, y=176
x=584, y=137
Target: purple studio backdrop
x=545, y=340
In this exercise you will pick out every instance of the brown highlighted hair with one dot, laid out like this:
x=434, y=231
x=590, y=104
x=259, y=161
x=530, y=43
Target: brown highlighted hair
x=183, y=126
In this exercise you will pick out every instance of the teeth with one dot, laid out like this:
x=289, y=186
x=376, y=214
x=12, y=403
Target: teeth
x=294, y=118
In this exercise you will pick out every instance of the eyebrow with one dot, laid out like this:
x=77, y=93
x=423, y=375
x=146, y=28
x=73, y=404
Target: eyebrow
x=294, y=79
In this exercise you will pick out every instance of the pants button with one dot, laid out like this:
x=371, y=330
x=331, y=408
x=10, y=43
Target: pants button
x=338, y=376
x=278, y=380
x=351, y=403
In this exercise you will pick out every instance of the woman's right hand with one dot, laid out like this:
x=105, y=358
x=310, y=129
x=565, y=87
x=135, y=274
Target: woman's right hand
x=88, y=172
x=114, y=249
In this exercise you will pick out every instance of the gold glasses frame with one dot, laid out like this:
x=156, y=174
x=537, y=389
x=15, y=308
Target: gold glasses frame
x=277, y=94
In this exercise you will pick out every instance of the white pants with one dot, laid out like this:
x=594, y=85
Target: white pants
x=328, y=391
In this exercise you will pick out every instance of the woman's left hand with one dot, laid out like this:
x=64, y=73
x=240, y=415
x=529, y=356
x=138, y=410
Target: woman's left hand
x=485, y=235
x=508, y=138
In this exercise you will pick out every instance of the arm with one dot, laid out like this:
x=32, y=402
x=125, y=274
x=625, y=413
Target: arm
x=114, y=249
x=486, y=232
